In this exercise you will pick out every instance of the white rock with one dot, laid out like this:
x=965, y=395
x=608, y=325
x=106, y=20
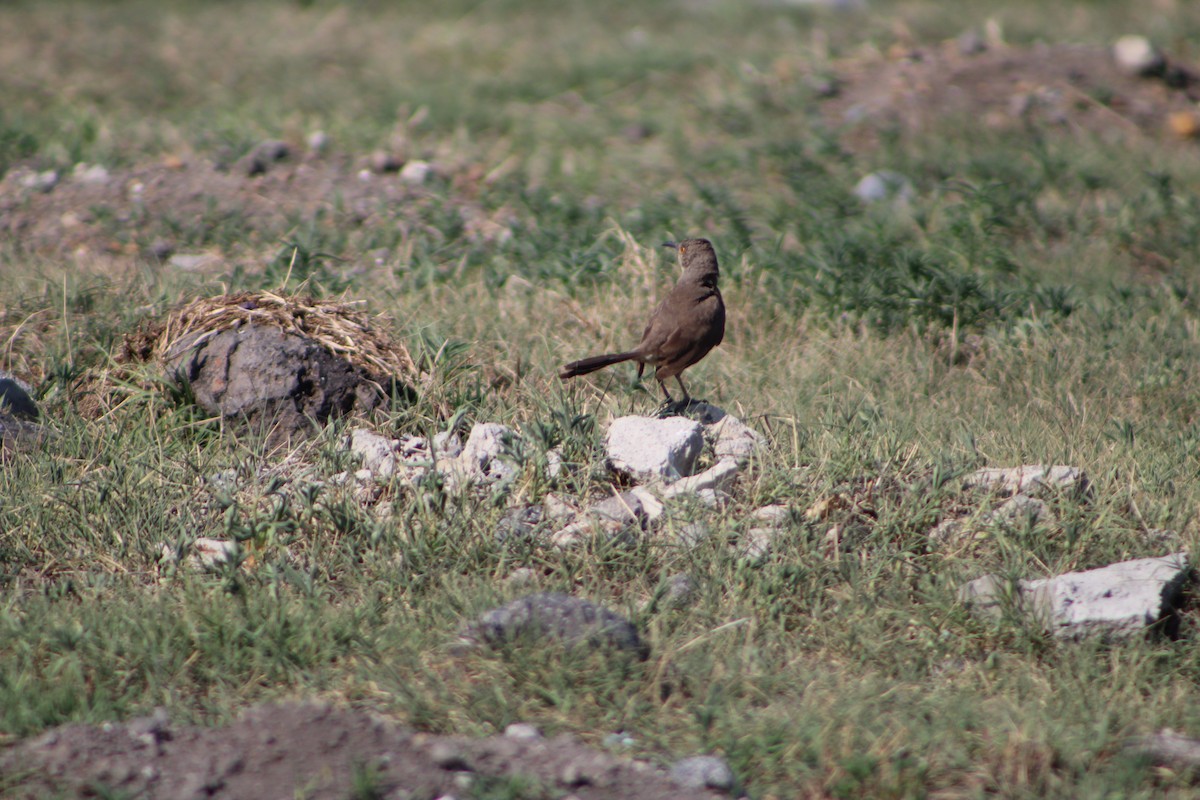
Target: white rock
x=554, y=463
x=1117, y=601
x=415, y=172
x=522, y=730
x=775, y=514
x=648, y=448
x=554, y=507
x=756, y=543
x=378, y=452
x=447, y=444
x=40, y=181
x=702, y=772
x=318, y=142
x=204, y=554
x=481, y=457
x=717, y=479
x=693, y=534
x=735, y=439
x=193, y=262
x=884, y=185
x=1135, y=55
x=1026, y=479
x=94, y=174
x=652, y=507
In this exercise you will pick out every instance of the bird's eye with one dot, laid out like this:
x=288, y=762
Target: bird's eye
x=683, y=248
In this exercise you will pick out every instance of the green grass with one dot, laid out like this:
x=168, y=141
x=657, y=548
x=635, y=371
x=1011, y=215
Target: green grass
x=1036, y=303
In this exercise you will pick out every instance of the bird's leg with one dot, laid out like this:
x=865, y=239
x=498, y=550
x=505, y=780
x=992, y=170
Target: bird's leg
x=668, y=405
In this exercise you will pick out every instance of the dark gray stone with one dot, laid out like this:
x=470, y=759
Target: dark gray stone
x=550, y=617
x=260, y=373
x=15, y=399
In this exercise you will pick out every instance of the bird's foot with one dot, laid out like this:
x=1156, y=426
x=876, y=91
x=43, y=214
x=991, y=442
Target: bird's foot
x=691, y=407
x=670, y=408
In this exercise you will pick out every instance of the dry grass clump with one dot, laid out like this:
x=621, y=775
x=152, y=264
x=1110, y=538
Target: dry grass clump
x=340, y=328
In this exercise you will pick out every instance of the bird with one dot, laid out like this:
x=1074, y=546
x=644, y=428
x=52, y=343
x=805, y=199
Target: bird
x=684, y=327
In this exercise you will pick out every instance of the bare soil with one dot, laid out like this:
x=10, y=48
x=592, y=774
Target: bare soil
x=315, y=751
x=1076, y=88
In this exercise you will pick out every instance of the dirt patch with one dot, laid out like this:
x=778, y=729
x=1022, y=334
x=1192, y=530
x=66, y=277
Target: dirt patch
x=220, y=212
x=316, y=751
x=1074, y=87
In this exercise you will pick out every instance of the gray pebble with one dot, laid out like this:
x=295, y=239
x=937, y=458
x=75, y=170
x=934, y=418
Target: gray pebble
x=702, y=772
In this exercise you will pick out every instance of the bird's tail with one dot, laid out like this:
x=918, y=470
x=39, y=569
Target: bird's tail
x=585, y=365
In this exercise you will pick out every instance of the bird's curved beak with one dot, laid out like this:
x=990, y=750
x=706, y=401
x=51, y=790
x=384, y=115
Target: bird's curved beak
x=672, y=245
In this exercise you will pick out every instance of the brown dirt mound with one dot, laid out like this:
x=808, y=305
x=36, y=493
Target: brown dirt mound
x=316, y=751
x=1075, y=87
x=340, y=328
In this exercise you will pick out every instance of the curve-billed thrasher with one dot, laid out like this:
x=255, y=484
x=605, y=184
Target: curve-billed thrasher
x=688, y=323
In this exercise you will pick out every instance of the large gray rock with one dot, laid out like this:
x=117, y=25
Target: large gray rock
x=262, y=373
x=558, y=619
x=1117, y=601
x=15, y=399
x=647, y=448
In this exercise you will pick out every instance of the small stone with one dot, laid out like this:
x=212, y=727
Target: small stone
x=162, y=249
x=680, y=591
x=40, y=181
x=150, y=730
x=775, y=514
x=448, y=755
x=885, y=185
x=383, y=161
x=523, y=731
x=717, y=479
x=1135, y=55
x=756, y=544
x=378, y=452
x=556, y=508
x=93, y=174
x=648, y=448
x=702, y=772
x=1020, y=508
x=652, y=508
x=193, y=262
x=263, y=156
x=483, y=456
x=1026, y=479
x=415, y=172
x=735, y=439
x=554, y=463
x=549, y=617
x=618, y=741
x=447, y=444
x=204, y=554
x=518, y=523
x=522, y=576
x=318, y=142
x=693, y=534
x=970, y=43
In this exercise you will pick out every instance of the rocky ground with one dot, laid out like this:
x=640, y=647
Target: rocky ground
x=322, y=751
x=319, y=751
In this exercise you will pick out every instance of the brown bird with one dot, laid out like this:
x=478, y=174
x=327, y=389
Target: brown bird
x=688, y=323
